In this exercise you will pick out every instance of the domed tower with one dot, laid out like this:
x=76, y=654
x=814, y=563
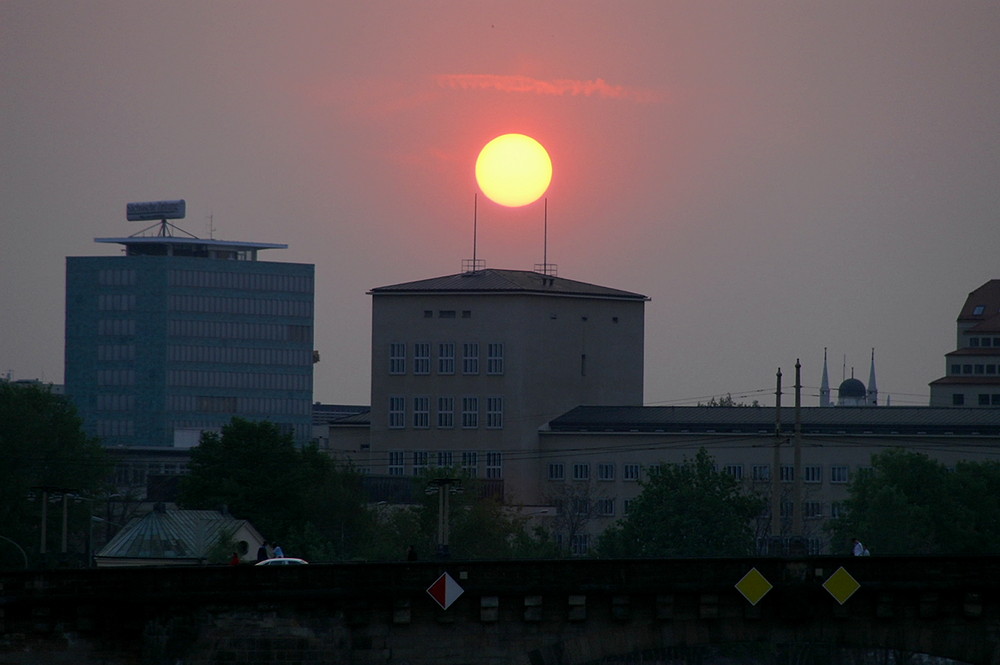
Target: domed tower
x=852, y=393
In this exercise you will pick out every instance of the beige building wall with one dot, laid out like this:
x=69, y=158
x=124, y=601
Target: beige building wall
x=559, y=344
x=615, y=462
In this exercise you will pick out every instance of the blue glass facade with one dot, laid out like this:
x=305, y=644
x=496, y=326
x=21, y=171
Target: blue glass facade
x=161, y=347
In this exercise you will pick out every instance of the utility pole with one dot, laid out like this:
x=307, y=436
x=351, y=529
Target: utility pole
x=797, y=506
x=776, y=468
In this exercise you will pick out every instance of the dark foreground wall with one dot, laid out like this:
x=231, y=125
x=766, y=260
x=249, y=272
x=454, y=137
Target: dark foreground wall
x=524, y=612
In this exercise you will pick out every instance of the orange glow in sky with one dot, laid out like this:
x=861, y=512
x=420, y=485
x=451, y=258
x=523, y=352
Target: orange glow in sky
x=513, y=170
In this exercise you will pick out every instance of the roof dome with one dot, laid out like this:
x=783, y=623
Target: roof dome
x=851, y=389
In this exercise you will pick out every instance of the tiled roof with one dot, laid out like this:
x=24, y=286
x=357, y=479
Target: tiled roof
x=986, y=296
x=180, y=534
x=507, y=281
x=737, y=419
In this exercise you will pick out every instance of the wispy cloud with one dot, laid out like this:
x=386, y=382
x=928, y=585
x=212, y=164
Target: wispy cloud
x=593, y=88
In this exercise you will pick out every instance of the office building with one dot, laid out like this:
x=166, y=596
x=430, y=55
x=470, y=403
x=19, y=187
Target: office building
x=180, y=334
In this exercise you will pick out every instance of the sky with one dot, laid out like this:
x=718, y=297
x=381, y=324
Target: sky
x=778, y=177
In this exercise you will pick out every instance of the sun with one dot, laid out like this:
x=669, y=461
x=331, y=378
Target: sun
x=513, y=170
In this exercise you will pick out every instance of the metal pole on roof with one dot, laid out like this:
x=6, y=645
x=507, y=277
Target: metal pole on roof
x=797, y=505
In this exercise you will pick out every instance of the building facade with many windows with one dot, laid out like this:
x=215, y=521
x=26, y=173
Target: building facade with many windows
x=467, y=367
x=593, y=459
x=972, y=376
x=178, y=335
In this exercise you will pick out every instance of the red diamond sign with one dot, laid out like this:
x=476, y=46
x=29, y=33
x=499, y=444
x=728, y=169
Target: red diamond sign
x=445, y=591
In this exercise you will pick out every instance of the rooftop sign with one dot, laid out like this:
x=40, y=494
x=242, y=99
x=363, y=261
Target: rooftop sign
x=149, y=210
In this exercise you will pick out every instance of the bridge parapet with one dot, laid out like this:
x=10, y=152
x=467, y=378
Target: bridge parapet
x=550, y=612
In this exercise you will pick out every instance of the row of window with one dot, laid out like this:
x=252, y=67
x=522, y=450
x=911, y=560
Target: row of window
x=606, y=471
x=240, y=280
x=467, y=461
x=241, y=380
x=976, y=342
x=116, y=277
x=983, y=399
x=244, y=405
x=115, y=302
x=248, y=306
x=975, y=368
x=445, y=358
x=239, y=355
x=121, y=327
x=239, y=330
x=445, y=412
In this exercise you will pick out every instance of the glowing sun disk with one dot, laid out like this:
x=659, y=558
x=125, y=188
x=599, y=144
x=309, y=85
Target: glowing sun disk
x=513, y=170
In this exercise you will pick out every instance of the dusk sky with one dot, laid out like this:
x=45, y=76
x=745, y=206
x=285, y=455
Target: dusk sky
x=778, y=177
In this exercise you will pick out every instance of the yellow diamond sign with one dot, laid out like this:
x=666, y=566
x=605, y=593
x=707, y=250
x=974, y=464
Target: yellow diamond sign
x=753, y=586
x=841, y=585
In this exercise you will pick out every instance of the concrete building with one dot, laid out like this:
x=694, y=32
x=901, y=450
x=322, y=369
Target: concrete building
x=972, y=376
x=593, y=458
x=179, y=334
x=467, y=367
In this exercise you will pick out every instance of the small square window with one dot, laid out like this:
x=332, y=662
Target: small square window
x=958, y=399
x=984, y=399
x=978, y=310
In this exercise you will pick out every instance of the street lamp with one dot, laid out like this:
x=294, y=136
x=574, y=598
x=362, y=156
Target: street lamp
x=443, y=487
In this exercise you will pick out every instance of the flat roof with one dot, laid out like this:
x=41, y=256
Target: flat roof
x=200, y=242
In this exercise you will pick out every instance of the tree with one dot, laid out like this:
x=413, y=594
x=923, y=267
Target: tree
x=480, y=526
x=298, y=497
x=686, y=509
x=43, y=448
x=726, y=400
x=908, y=503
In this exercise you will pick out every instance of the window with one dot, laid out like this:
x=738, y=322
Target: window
x=396, y=462
x=579, y=544
x=446, y=412
x=581, y=506
x=813, y=474
x=956, y=369
x=445, y=458
x=419, y=462
x=397, y=412
x=470, y=412
x=421, y=358
x=606, y=507
x=470, y=358
x=446, y=314
x=980, y=369
x=626, y=504
x=984, y=399
x=581, y=472
x=605, y=471
x=978, y=310
x=397, y=358
x=494, y=464
x=470, y=463
x=814, y=510
x=494, y=412
x=446, y=358
x=630, y=472
x=734, y=470
x=761, y=472
x=974, y=341
x=995, y=399
x=838, y=474
x=837, y=510
x=787, y=509
x=494, y=359
x=556, y=471
x=787, y=473
x=421, y=412
x=958, y=399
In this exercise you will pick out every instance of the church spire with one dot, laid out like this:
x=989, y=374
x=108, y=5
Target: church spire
x=872, y=389
x=824, y=386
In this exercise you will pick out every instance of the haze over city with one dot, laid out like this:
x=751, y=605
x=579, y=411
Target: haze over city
x=778, y=178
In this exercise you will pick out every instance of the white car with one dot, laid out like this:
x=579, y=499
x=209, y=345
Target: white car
x=283, y=561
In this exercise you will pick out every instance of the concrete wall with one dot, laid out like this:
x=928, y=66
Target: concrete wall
x=525, y=613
